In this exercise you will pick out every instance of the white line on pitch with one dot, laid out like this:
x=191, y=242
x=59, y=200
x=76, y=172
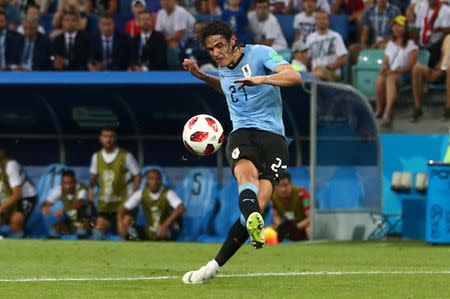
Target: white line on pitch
x=323, y=273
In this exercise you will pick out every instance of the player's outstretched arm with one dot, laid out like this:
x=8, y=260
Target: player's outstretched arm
x=284, y=76
x=192, y=66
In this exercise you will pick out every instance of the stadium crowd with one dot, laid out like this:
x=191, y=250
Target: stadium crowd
x=142, y=35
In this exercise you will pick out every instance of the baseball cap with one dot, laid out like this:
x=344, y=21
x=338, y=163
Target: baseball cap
x=299, y=46
x=401, y=20
x=142, y=2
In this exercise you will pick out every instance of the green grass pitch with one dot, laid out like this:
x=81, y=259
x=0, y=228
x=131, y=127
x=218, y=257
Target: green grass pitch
x=154, y=270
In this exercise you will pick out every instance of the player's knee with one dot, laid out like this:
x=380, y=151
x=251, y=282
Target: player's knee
x=17, y=222
x=101, y=224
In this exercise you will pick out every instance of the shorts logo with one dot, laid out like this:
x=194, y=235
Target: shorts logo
x=276, y=166
x=247, y=71
x=235, y=154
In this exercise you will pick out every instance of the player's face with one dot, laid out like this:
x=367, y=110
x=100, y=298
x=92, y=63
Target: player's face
x=68, y=184
x=322, y=21
x=108, y=139
x=220, y=49
x=154, y=181
x=106, y=26
x=284, y=188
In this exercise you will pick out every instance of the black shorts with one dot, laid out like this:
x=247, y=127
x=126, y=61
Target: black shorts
x=268, y=151
x=26, y=205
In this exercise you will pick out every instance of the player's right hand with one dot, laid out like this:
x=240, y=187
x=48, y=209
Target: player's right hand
x=192, y=66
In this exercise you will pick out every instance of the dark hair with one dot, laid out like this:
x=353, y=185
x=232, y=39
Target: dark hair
x=262, y=1
x=155, y=170
x=215, y=27
x=108, y=129
x=68, y=172
x=71, y=13
x=284, y=175
x=107, y=15
x=30, y=6
x=406, y=34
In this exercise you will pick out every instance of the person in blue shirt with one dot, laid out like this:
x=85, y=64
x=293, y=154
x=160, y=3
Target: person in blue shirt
x=250, y=77
x=236, y=16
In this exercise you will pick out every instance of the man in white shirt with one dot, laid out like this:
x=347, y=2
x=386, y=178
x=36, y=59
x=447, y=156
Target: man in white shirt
x=111, y=169
x=18, y=196
x=265, y=27
x=305, y=22
x=162, y=208
x=175, y=22
x=326, y=49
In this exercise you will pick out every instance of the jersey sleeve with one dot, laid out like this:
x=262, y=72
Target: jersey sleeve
x=54, y=195
x=304, y=196
x=93, y=167
x=13, y=172
x=270, y=57
x=173, y=199
x=133, y=201
x=340, y=46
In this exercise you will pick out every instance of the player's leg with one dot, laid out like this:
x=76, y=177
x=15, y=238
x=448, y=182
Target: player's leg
x=16, y=224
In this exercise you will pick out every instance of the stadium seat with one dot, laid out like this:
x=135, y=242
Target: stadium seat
x=365, y=72
x=46, y=22
x=227, y=213
x=339, y=23
x=199, y=194
x=343, y=191
x=51, y=177
x=287, y=27
x=300, y=176
x=92, y=24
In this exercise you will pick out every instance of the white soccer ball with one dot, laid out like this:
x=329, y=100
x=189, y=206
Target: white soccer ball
x=203, y=135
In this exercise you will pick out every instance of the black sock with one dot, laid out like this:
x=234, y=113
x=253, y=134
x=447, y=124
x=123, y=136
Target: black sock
x=248, y=201
x=236, y=238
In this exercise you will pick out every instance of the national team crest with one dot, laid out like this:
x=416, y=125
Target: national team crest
x=247, y=71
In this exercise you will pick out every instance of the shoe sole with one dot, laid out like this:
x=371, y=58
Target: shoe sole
x=255, y=226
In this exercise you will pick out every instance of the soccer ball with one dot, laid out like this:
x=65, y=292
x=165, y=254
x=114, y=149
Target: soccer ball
x=203, y=135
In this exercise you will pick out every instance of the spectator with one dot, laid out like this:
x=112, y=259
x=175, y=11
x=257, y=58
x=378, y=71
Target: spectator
x=66, y=6
x=72, y=216
x=432, y=25
x=203, y=7
x=10, y=45
x=132, y=26
x=354, y=9
x=175, y=22
x=291, y=210
x=162, y=209
x=327, y=50
x=425, y=74
x=305, y=22
x=265, y=27
x=17, y=195
x=376, y=30
x=195, y=50
x=400, y=56
x=297, y=6
x=32, y=11
x=237, y=18
x=111, y=168
x=110, y=49
x=71, y=49
x=149, y=49
x=278, y=7
x=300, y=56
x=244, y=4
x=12, y=13
x=36, y=50
x=101, y=6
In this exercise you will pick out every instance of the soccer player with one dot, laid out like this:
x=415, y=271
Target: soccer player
x=162, y=209
x=249, y=77
x=18, y=197
x=69, y=217
x=111, y=168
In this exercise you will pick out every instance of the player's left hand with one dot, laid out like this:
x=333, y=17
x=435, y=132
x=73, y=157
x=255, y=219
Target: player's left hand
x=163, y=230
x=250, y=81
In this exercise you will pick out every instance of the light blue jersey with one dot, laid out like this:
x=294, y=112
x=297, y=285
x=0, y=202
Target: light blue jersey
x=257, y=106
